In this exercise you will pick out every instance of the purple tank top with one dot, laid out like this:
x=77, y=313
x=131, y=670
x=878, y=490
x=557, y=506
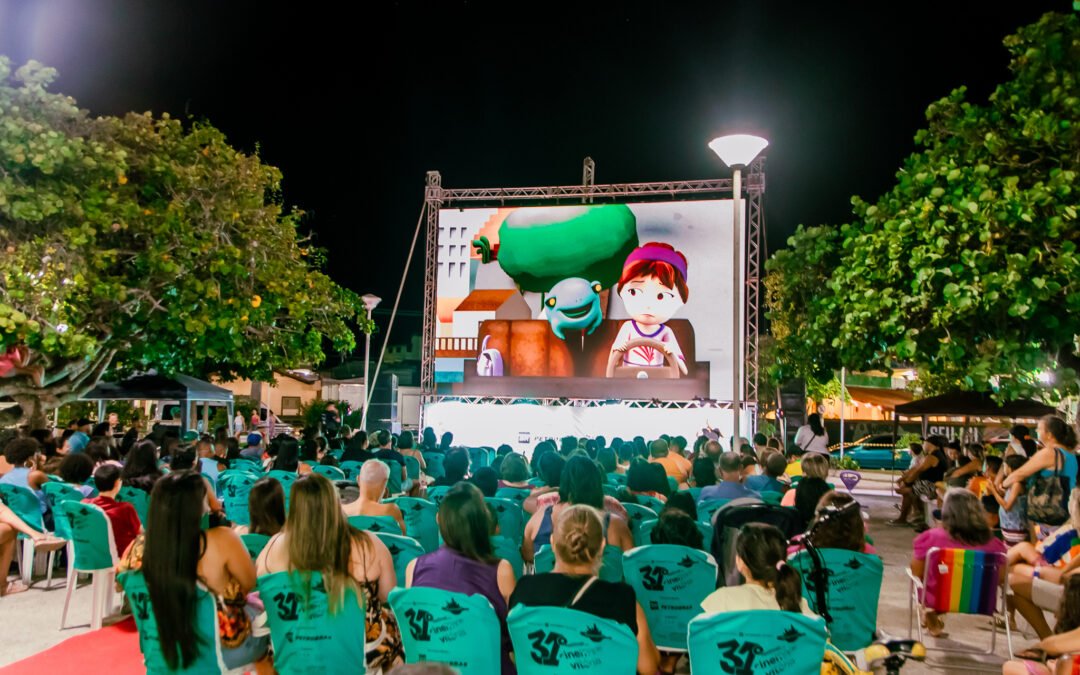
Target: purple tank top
x=448, y=570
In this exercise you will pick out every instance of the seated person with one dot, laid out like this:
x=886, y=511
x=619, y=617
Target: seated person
x=372, y=480
x=774, y=465
x=385, y=452
x=845, y=530
x=124, y=518
x=356, y=448
x=578, y=541
x=76, y=470
x=486, y=480
x=266, y=508
x=10, y=527
x=646, y=478
x=730, y=486
x=23, y=455
x=1065, y=640
x=455, y=468
x=704, y=472
x=164, y=552
x=962, y=526
x=760, y=556
x=514, y=472
x=466, y=563
x=675, y=465
x=315, y=537
x=811, y=488
x=677, y=527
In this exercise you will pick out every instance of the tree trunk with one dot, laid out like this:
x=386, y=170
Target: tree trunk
x=64, y=383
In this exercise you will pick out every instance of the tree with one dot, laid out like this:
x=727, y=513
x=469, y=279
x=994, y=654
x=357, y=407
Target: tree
x=968, y=267
x=137, y=242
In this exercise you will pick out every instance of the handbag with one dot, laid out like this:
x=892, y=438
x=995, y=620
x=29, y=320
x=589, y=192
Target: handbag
x=1048, y=496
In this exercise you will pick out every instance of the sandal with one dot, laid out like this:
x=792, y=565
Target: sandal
x=48, y=543
x=14, y=587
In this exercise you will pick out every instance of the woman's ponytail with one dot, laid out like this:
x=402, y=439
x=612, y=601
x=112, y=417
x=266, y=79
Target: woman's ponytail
x=788, y=588
x=763, y=549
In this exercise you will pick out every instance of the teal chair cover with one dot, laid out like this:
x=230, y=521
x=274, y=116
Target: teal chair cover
x=706, y=509
x=558, y=640
x=638, y=514
x=610, y=490
x=478, y=458
x=139, y=499
x=412, y=467
x=517, y=495
x=91, y=535
x=375, y=524
x=694, y=492
x=286, y=478
x=706, y=530
x=854, y=584
x=770, y=497
x=232, y=474
x=244, y=464
x=393, y=481
x=307, y=638
x=92, y=485
x=25, y=504
x=447, y=627
x=670, y=582
x=643, y=536
x=511, y=517
x=254, y=543
x=611, y=569
x=434, y=462
x=536, y=482
x=351, y=469
x=54, y=494
x=756, y=642
x=616, y=479
x=437, y=493
x=234, y=489
x=403, y=550
x=207, y=661
x=337, y=454
x=331, y=472
x=420, y=523
x=673, y=485
x=510, y=551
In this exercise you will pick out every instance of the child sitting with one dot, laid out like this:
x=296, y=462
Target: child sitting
x=1012, y=504
x=980, y=485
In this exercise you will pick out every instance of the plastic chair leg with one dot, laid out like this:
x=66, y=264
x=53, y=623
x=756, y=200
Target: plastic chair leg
x=109, y=579
x=97, y=587
x=27, y=565
x=48, y=575
x=72, y=579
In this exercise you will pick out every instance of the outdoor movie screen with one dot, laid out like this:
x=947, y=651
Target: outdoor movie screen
x=591, y=301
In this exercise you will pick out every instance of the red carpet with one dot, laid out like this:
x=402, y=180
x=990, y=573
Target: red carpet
x=113, y=650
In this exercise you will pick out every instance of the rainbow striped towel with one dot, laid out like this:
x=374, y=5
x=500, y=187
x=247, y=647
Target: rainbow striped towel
x=959, y=581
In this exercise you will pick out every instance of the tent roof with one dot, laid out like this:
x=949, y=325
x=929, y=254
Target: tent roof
x=155, y=387
x=973, y=404
x=886, y=398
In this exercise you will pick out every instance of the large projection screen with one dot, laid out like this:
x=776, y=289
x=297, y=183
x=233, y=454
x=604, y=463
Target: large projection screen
x=606, y=301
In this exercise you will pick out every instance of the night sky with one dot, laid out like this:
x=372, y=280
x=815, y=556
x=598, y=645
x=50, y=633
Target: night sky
x=355, y=108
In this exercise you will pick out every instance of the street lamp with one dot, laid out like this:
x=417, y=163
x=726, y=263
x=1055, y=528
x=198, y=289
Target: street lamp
x=370, y=303
x=737, y=151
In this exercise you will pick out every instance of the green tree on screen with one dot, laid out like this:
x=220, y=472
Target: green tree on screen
x=137, y=242
x=968, y=267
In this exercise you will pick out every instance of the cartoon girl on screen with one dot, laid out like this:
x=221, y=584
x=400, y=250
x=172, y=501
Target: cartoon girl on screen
x=653, y=288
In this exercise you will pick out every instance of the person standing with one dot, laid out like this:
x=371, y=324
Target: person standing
x=812, y=437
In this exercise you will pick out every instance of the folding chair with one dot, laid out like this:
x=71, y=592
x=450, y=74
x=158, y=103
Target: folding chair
x=94, y=550
x=403, y=550
x=420, y=523
x=852, y=591
x=959, y=581
x=447, y=627
x=557, y=640
x=670, y=582
x=305, y=633
x=375, y=524
x=26, y=505
x=756, y=642
x=611, y=567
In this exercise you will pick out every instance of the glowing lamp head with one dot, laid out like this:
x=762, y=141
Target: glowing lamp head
x=737, y=149
x=370, y=301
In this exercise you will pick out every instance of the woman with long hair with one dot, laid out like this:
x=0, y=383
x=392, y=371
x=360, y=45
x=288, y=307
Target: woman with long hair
x=812, y=437
x=811, y=488
x=466, y=561
x=963, y=525
x=580, y=483
x=176, y=556
x=844, y=530
x=578, y=541
x=287, y=457
x=141, y=466
x=760, y=556
x=318, y=538
x=1056, y=458
x=266, y=505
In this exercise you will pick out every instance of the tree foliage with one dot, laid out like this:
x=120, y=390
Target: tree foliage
x=139, y=242
x=968, y=268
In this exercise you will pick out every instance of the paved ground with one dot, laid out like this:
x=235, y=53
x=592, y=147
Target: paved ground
x=31, y=620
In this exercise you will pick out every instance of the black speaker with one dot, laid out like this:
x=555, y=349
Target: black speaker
x=383, y=413
x=791, y=402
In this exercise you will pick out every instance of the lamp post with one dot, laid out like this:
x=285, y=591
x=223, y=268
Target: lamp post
x=370, y=303
x=736, y=151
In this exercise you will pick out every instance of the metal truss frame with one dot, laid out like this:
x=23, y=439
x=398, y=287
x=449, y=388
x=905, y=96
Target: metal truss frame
x=579, y=402
x=437, y=197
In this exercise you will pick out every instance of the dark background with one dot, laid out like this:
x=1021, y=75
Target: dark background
x=355, y=101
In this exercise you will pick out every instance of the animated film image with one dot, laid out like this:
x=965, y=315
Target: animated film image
x=529, y=297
